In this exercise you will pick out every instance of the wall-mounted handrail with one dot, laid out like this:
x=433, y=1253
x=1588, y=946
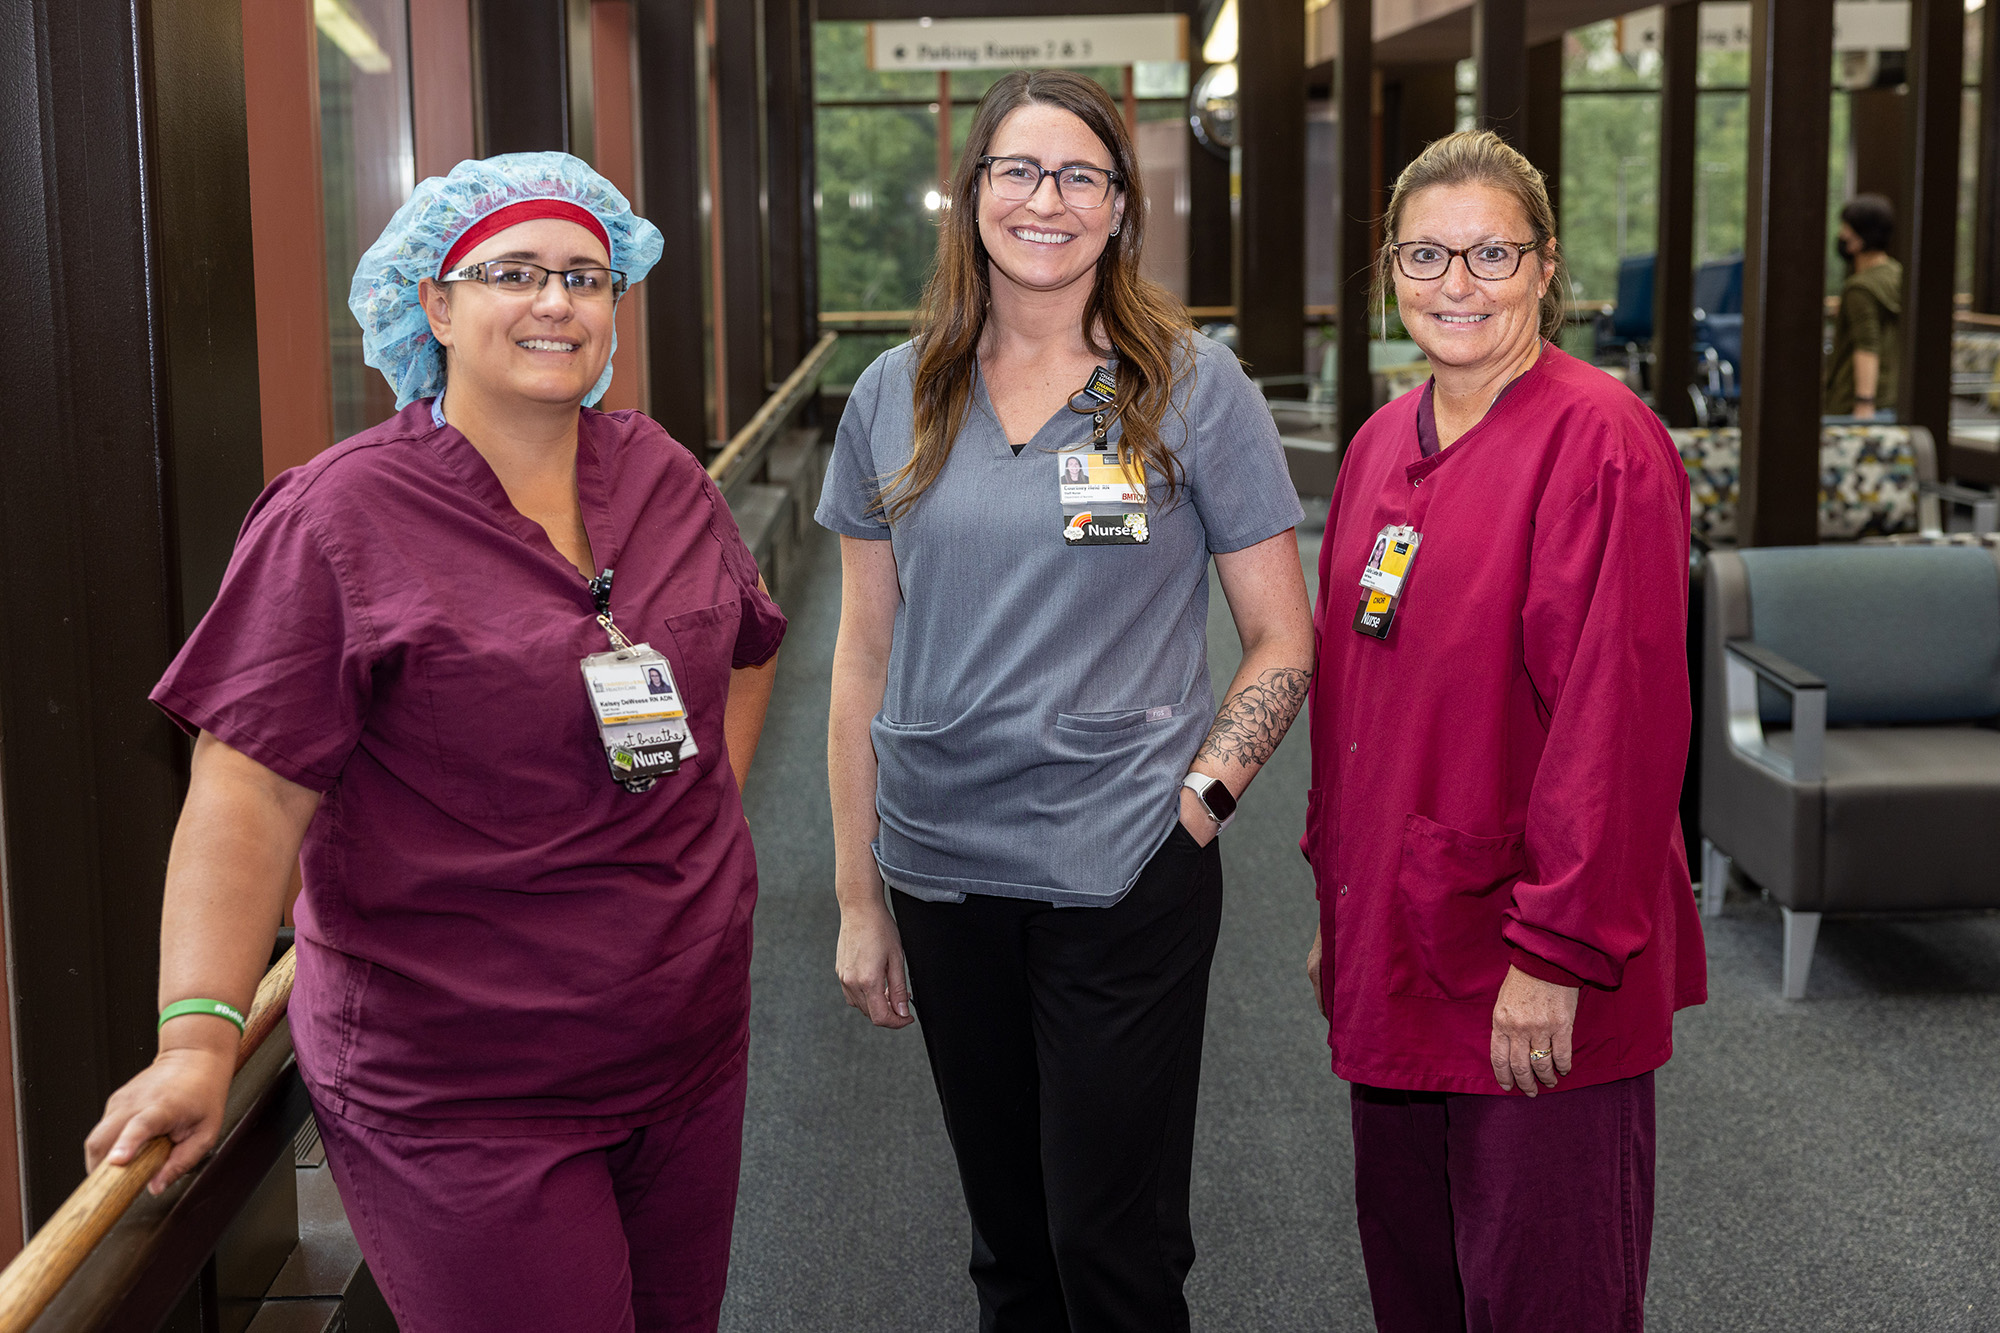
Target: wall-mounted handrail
x=52, y=1257
x=746, y=446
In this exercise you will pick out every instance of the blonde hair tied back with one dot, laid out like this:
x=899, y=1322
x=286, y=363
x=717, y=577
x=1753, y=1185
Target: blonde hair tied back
x=1478, y=157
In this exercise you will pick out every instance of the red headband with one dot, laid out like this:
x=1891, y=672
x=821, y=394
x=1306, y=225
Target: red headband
x=526, y=211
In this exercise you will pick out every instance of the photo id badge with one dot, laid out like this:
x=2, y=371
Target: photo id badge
x=1382, y=581
x=1103, y=502
x=640, y=717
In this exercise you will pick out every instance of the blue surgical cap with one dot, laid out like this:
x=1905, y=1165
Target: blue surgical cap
x=395, y=335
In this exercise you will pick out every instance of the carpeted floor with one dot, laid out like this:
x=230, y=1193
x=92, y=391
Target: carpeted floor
x=1827, y=1164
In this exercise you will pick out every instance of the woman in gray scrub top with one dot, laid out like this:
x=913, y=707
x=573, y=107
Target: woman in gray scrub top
x=1024, y=743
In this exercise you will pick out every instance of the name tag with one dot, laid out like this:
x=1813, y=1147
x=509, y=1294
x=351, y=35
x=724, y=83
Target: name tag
x=641, y=720
x=1382, y=581
x=1103, y=501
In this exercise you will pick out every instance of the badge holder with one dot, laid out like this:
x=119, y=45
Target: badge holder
x=1382, y=581
x=1103, y=502
x=641, y=720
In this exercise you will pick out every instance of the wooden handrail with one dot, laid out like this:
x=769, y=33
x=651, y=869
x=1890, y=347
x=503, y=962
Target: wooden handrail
x=772, y=414
x=49, y=1260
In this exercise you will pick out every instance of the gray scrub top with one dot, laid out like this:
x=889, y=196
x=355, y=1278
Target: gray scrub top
x=1045, y=699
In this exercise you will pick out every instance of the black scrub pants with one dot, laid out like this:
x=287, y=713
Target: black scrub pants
x=1066, y=1046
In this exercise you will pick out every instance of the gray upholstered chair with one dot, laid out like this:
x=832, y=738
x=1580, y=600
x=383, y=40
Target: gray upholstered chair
x=1850, y=761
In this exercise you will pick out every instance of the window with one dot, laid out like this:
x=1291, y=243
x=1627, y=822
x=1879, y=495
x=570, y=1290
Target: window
x=368, y=168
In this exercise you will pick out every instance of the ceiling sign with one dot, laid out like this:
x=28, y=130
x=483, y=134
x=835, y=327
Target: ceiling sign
x=1858, y=25
x=1109, y=39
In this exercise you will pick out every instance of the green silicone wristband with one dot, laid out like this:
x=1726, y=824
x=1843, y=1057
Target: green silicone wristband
x=215, y=1007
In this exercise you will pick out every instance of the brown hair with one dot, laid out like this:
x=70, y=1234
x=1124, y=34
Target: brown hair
x=1144, y=324
x=1479, y=157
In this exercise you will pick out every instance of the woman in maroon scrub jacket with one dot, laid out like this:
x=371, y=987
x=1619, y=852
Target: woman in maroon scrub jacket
x=1506, y=923
x=523, y=972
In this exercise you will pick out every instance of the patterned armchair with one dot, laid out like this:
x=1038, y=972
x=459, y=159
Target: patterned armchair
x=1975, y=365
x=1873, y=481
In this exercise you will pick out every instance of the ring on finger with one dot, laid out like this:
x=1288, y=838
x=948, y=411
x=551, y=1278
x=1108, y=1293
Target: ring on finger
x=1540, y=1055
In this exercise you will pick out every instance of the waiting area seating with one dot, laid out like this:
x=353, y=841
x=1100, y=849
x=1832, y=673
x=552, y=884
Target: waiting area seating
x=1624, y=334
x=1875, y=481
x=1850, y=757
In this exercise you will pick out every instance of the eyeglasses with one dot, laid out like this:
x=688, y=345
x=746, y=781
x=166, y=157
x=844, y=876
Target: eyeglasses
x=1490, y=261
x=1017, y=178
x=517, y=277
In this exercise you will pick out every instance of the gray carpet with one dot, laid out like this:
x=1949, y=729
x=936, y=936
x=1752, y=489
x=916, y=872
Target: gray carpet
x=1827, y=1164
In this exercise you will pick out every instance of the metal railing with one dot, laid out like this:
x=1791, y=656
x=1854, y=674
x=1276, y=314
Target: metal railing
x=115, y=1288
x=746, y=448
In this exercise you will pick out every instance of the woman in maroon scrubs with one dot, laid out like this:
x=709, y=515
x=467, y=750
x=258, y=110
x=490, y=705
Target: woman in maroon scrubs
x=1499, y=725
x=523, y=971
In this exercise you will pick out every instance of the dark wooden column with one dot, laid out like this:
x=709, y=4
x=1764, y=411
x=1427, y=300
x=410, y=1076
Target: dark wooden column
x=1211, y=221
x=532, y=60
x=736, y=47
x=1673, y=274
x=672, y=111
x=1500, y=53
x=129, y=366
x=793, y=235
x=1791, y=64
x=1930, y=229
x=1355, y=206
x=1986, y=208
x=1542, y=139
x=1419, y=104
x=1271, y=222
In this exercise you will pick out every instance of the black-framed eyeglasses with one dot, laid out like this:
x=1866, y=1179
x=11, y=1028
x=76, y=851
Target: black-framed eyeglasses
x=1017, y=178
x=520, y=278
x=1489, y=261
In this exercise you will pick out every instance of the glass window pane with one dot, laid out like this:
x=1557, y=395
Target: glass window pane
x=853, y=353
x=1591, y=59
x=1839, y=152
x=1722, y=130
x=368, y=169
x=876, y=237
x=841, y=73
x=1610, y=176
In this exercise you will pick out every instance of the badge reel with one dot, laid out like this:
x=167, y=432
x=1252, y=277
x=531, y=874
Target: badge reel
x=640, y=717
x=1103, y=500
x=1382, y=582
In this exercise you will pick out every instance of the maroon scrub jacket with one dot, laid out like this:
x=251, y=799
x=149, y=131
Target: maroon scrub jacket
x=494, y=937
x=1498, y=781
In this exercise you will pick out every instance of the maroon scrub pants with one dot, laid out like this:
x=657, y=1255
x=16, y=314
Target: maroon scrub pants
x=1494, y=1213
x=614, y=1231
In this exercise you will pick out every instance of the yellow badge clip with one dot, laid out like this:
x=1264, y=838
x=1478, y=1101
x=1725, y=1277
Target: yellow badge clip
x=1383, y=580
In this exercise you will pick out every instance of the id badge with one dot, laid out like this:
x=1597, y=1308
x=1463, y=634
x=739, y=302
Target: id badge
x=1382, y=582
x=640, y=717
x=1103, y=502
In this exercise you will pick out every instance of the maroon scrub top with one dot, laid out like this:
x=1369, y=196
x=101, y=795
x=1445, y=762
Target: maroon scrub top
x=1498, y=781
x=494, y=937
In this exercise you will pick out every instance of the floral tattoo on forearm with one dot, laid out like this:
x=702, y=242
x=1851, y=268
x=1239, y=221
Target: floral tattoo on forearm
x=1255, y=718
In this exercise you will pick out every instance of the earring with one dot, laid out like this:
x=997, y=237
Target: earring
x=1114, y=231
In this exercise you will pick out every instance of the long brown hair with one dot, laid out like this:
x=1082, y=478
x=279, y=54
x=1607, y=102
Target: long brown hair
x=1479, y=157
x=1144, y=324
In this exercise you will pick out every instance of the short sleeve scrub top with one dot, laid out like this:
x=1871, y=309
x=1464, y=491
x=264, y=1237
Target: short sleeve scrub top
x=494, y=937
x=1045, y=697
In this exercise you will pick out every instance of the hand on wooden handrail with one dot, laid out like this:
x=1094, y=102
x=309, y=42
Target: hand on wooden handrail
x=32, y=1280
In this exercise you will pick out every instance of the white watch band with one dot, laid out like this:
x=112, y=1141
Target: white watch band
x=1199, y=783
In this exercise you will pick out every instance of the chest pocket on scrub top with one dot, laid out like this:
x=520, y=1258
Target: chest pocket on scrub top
x=701, y=646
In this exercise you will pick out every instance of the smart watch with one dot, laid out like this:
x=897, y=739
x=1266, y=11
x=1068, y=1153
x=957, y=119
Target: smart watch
x=1214, y=796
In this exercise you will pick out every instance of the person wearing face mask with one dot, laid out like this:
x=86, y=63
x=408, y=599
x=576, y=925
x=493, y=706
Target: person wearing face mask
x=1499, y=726
x=522, y=1001
x=1861, y=373
x=1024, y=745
